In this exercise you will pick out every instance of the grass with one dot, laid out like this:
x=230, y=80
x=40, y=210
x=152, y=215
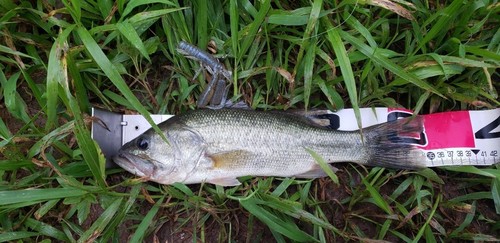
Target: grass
x=59, y=58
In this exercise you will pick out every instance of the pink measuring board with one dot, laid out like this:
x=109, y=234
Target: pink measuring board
x=449, y=138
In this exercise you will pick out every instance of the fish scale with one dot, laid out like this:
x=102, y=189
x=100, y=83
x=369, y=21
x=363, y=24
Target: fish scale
x=274, y=142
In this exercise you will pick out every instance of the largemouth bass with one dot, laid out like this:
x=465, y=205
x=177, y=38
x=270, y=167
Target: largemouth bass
x=218, y=146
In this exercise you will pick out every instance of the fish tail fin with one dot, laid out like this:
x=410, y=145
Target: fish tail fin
x=393, y=144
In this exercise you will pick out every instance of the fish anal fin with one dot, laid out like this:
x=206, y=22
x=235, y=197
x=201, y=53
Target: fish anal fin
x=226, y=181
x=315, y=172
x=230, y=159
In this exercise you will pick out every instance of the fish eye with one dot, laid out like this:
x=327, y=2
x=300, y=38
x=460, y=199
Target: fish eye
x=142, y=143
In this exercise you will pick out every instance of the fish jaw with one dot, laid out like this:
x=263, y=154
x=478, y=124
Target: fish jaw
x=135, y=164
x=150, y=169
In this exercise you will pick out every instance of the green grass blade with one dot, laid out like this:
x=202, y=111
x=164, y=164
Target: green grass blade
x=308, y=73
x=444, y=22
x=75, y=9
x=377, y=198
x=234, y=22
x=493, y=173
x=6, y=165
x=56, y=134
x=386, y=63
x=483, y=53
x=467, y=221
x=90, y=150
x=466, y=62
x=311, y=29
x=108, y=68
x=7, y=50
x=80, y=90
x=45, y=208
x=293, y=18
x=155, y=14
x=275, y=223
x=8, y=5
x=202, y=20
x=119, y=217
x=362, y=30
x=55, y=76
x=17, y=235
x=128, y=31
x=140, y=232
x=136, y=3
x=13, y=101
x=235, y=44
x=345, y=66
x=472, y=196
x=102, y=222
x=36, y=195
x=495, y=193
x=35, y=89
x=295, y=210
x=324, y=165
x=282, y=187
x=331, y=94
x=253, y=28
x=428, y=220
x=46, y=229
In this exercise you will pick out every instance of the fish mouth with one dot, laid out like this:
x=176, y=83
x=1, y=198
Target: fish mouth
x=123, y=160
x=134, y=164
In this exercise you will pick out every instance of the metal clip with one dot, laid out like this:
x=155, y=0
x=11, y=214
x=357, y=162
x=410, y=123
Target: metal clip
x=119, y=130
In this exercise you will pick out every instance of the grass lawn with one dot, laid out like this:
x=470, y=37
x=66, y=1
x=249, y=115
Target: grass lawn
x=60, y=58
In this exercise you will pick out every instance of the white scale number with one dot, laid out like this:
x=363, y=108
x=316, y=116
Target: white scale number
x=443, y=157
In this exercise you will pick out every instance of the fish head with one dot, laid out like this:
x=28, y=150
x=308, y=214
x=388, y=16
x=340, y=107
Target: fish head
x=151, y=157
x=147, y=156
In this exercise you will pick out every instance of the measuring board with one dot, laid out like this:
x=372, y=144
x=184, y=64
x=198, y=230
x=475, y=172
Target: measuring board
x=449, y=138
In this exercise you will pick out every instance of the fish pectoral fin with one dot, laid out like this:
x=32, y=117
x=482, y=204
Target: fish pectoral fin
x=230, y=159
x=226, y=181
x=315, y=172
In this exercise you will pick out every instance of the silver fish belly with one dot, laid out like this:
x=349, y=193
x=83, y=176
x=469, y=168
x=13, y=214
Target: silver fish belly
x=218, y=146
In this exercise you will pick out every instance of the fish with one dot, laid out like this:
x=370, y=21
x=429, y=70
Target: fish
x=219, y=146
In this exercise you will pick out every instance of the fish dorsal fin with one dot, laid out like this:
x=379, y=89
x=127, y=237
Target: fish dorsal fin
x=227, y=181
x=230, y=159
x=315, y=172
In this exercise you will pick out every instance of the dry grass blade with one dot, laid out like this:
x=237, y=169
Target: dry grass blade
x=393, y=7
